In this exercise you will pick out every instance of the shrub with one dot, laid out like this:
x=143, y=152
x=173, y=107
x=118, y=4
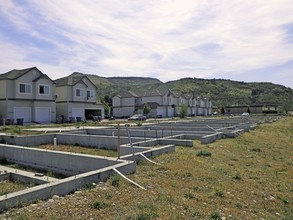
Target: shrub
x=219, y=193
x=189, y=195
x=147, y=212
x=215, y=216
x=99, y=205
x=203, y=153
x=115, y=180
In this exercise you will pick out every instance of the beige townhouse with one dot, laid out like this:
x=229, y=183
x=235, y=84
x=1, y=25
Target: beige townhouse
x=77, y=99
x=27, y=95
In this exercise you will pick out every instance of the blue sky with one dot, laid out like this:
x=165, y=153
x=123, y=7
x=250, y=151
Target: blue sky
x=165, y=39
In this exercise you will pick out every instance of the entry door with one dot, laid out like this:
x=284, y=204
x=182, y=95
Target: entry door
x=22, y=112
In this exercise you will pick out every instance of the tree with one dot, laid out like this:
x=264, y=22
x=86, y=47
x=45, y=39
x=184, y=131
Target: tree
x=248, y=110
x=146, y=109
x=183, y=111
x=222, y=110
x=106, y=106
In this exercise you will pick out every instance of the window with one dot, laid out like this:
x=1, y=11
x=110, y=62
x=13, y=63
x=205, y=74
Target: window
x=79, y=92
x=25, y=88
x=90, y=94
x=44, y=89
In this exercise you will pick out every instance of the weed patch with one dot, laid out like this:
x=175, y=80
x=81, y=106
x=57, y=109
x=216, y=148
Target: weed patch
x=99, y=205
x=115, y=180
x=203, y=153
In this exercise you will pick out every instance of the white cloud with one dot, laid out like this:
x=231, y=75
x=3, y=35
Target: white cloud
x=164, y=39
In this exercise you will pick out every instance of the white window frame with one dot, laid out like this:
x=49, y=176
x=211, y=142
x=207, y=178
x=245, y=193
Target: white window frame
x=81, y=92
x=26, y=84
x=91, y=94
x=49, y=89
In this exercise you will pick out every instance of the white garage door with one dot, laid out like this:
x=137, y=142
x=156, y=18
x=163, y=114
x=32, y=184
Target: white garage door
x=161, y=111
x=22, y=112
x=78, y=112
x=43, y=114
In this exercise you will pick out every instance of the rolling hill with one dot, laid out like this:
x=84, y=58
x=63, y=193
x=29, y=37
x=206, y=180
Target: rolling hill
x=222, y=92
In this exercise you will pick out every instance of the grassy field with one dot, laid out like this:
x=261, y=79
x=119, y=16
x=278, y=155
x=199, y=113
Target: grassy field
x=249, y=177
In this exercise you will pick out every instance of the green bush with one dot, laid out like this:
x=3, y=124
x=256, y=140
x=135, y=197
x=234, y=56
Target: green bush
x=215, y=216
x=99, y=205
x=203, y=153
x=115, y=180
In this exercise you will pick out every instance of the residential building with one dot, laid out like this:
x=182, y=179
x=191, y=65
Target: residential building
x=77, y=99
x=27, y=95
x=162, y=103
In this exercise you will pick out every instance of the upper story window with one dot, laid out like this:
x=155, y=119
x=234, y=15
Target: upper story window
x=44, y=89
x=79, y=92
x=170, y=100
x=25, y=88
x=89, y=94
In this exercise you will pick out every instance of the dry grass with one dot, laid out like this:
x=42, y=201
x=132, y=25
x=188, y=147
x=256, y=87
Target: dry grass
x=249, y=177
x=80, y=150
x=7, y=186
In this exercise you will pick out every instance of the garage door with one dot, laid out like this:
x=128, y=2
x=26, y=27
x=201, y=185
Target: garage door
x=43, y=114
x=22, y=112
x=78, y=112
x=161, y=111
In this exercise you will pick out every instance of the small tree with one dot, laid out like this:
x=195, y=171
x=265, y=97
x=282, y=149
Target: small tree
x=106, y=106
x=222, y=110
x=248, y=110
x=146, y=109
x=183, y=111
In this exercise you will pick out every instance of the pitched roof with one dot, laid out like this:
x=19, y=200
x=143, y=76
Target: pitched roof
x=149, y=93
x=42, y=77
x=14, y=74
x=127, y=94
x=71, y=80
x=153, y=105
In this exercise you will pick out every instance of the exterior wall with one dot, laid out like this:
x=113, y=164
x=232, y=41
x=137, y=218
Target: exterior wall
x=52, y=89
x=170, y=100
x=165, y=99
x=116, y=101
x=128, y=102
x=2, y=89
x=79, y=98
x=3, y=111
x=63, y=93
x=62, y=109
x=28, y=79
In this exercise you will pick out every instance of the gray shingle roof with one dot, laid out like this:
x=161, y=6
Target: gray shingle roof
x=71, y=80
x=14, y=74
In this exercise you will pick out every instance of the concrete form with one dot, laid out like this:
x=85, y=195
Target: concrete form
x=84, y=169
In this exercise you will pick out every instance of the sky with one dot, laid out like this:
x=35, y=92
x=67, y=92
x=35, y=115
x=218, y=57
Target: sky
x=250, y=41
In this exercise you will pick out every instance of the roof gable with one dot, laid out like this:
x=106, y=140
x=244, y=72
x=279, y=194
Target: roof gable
x=73, y=79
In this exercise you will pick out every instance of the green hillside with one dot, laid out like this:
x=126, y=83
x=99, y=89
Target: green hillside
x=222, y=92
